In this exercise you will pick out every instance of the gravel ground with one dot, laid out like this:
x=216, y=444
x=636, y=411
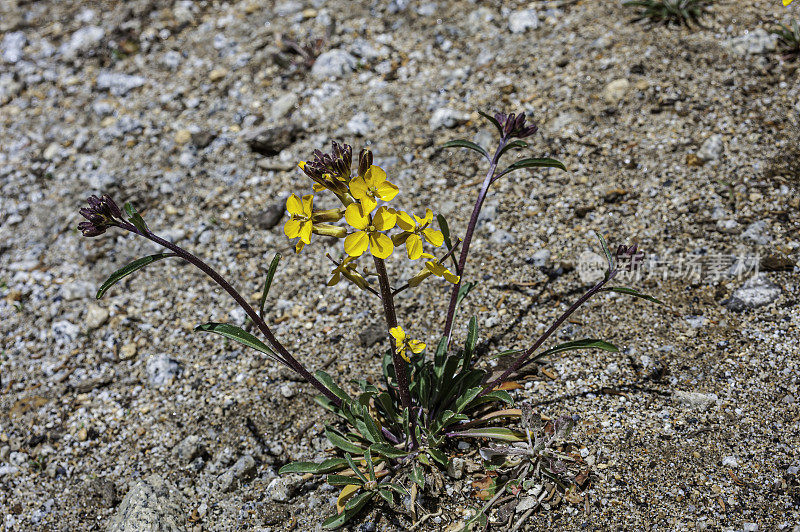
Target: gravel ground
x=683, y=140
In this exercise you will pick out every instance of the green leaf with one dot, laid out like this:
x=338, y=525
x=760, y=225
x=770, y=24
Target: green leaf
x=418, y=476
x=513, y=145
x=506, y=353
x=342, y=480
x=609, y=257
x=327, y=381
x=120, y=274
x=586, y=343
x=386, y=495
x=438, y=455
x=355, y=468
x=532, y=163
x=386, y=450
x=299, y=467
x=469, y=346
x=358, y=501
x=445, y=229
x=495, y=433
x=239, y=335
x=464, y=290
x=493, y=120
x=466, y=144
x=440, y=357
x=338, y=439
x=397, y=487
x=497, y=395
x=632, y=292
x=466, y=398
x=268, y=282
x=135, y=218
x=370, y=464
x=337, y=520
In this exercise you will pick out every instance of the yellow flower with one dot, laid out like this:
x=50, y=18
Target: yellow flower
x=412, y=229
x=369, y=231
x=300, y=224
x=433, y=267
x=403, y=343
x=348, y=271
x=371, y=187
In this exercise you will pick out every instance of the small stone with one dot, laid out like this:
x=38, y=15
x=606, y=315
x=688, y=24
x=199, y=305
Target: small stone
x=51, y=151
x=270, y=217
x=12, y=45
x=283, y=488
x=613, y=195
x=777, y=262
x=183, y=136
x=152, y=504
x=217, y=74
x=188, y=449
x=615, y=92
x=360, y=124
x=77, y=290
x=501, y=236
x=270, y=140
x=540, y=258
x=162, y=370
x=333, y=64
x=96, y=316
x=118, y=84
x=284, y=105
x=243, y=470
x=755, y=292
x=711, y=149
x=612, y=368
x=287, y=391
x=455, y=468
x=526, y=503
x=730, y=461
x=201, y=139
x=103, y=492
x=82, y=434
x=755, y=42
x=83, y=39
x=757, y=233
x=447, y=118
x=729, y=227
x=372, y=335
x=701, y=401
x=522, y=21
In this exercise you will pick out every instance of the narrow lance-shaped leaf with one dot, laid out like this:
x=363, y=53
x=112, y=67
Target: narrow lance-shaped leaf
x=268, y=282
x=532, y=163
x=239, y=335
x=493, y=120
x=632, y=292
x=120, y=274
x=299, y=467
x=448, y=241
x=609, y=257
x=495, y=433
x=586, y=343
x=513, y=145
x=135, y=218
x=469, y=347
x=340, y=441
x=464, y=290
x=465, y=144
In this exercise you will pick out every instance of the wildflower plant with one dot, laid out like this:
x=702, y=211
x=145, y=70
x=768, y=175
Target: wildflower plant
x=430, y=394
x=788, y=39
x=669, y=11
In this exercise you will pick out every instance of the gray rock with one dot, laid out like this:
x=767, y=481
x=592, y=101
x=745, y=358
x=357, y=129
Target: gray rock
x=700, y=401
x=372, y=334
x=82, y=40
x=77, y=290
x=103, y=493
x=615, y=91
x=757, y=233
x=288, y=7
x=501, y=236
x=117, y=83
x=455, y=468
x=711, y=149
x=730, y=227
x=758, y=41
x=522, y=21
x=171, y=60
x=479, y=19
x=269, y=140
x=153, y=504
x=201, y=139
x=333, y=64
x=287, y=391
x=284, y=105
x=65, y=331
x=270, y=217
x=448, y=118
x=188, y=449
x=283, y=488
x=12, y=46
x=540, y=258
x=755, y=292
x=244, y=469
x=162, y=370
x=360, y=124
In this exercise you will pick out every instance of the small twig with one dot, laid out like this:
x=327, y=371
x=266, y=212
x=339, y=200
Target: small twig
x=425, y=518
x=524, y=517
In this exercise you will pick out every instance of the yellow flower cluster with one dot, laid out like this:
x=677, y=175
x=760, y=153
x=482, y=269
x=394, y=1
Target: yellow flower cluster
x=368, y=223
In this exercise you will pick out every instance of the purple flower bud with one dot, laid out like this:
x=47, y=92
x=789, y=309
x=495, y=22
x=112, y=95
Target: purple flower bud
x=514, y=125
x=364, y=161
x=101, y=214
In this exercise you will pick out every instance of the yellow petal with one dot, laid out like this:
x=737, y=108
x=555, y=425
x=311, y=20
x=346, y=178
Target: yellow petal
x=398, y=333
x=417, y=279
x=433, y=236
x=292, y=228
x=301, y=164
x=368, y=203
x=294, y=205
x=380, y=245
x=345, y=495
x=305, y=232
x=428, y=216
x=358, y=188
x=356, y=216
x=375, y=176
x=404, y=221
x=299, y=246
x=356, y=244
x=416, y=346
x=308, y=204
x=386, y=191
x=414, y=247
x=402, y=353
x=383, y=220
x=451, y=277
